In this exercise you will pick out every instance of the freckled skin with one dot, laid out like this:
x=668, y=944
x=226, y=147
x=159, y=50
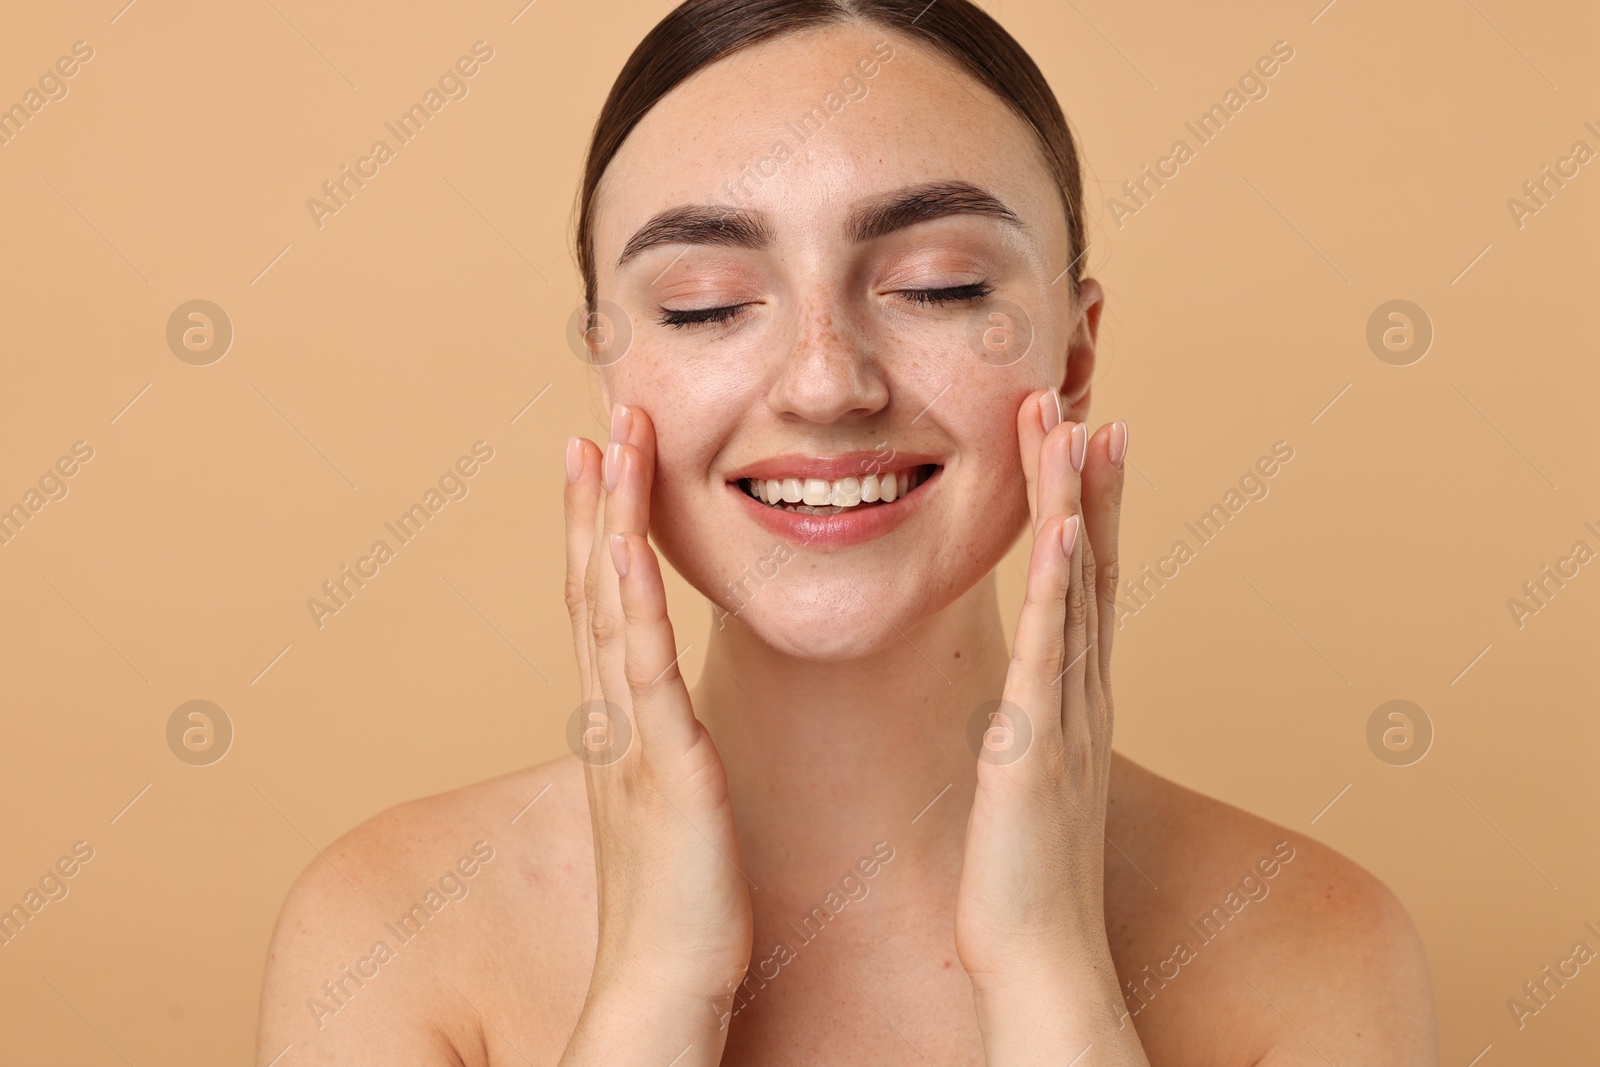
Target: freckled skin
x=822, y=694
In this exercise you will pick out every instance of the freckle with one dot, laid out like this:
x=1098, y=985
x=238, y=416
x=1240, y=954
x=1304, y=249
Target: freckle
x=958, y=656
x=947, y=962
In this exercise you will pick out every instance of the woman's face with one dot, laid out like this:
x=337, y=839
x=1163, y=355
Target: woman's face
x=843, y=262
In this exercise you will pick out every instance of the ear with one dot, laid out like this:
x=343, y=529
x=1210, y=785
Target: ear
x=1081, y=351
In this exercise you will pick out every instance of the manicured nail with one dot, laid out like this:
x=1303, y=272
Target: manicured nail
x=619, y=554
x=1080, y=446
x=1050, y=410
x=574, y=459
x=613, y=464
x=1069, y=535
x=1119, y=442
x=621, y=421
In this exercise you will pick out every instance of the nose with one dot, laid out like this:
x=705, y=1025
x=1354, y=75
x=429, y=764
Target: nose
x=829, y=373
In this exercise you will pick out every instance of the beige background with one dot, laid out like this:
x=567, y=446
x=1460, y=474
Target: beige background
x=430, y=311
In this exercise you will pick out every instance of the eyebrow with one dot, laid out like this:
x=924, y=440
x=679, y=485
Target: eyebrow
x=698, y=224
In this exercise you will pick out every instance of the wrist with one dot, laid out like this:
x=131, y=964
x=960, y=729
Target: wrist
x=648, y=1020
x=1051, y=1011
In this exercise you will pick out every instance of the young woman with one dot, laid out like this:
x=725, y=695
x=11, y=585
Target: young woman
x=843, y=240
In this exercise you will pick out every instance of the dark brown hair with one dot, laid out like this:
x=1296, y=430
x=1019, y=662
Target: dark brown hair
x=697, y=33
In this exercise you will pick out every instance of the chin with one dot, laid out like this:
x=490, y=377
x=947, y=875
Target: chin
x=823, y=629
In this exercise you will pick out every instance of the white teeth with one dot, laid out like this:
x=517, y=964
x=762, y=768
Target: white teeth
x=844, y=493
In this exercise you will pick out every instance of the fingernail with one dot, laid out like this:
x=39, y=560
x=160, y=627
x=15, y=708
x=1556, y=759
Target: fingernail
x=574, y=459
x=621, y=419
x=1080, y=446
x=619, y=554
x=1119, y=442
x=1050, y=410
x=613, y=464
x=1069, y=535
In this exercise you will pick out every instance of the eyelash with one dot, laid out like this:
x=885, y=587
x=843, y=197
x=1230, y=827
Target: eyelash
x=678, y=319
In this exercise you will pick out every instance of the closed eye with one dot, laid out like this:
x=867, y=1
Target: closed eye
x=940, y=297
x=698, y=316
x=678, y=318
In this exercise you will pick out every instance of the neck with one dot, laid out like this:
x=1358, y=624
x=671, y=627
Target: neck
x=824, y=759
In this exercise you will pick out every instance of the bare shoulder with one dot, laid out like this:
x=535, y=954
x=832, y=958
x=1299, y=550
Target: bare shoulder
x=1278, y=948
x=451, y=926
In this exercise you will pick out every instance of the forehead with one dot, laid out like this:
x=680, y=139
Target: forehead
x=805, y=126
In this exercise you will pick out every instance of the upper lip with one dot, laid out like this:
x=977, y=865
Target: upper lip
x=830, y=468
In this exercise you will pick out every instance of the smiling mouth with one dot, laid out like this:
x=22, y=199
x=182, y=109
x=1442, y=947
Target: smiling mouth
x=821, y=496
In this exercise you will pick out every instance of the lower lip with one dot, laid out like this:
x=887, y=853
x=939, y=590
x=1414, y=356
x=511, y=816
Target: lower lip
x=852, y=527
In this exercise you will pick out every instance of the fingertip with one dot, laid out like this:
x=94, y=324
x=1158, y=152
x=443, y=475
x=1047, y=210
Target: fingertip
x=613, y=464
x=619, y=554
x=1069, y=535
x=1050, y=409
x=574, y=459
x=1079, y=450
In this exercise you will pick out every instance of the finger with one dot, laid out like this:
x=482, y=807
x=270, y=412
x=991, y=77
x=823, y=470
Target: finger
x=1038, y=651
x=1074, y=672
x=581, y=504
x=1087, y=577
x=633, y=425
x=607, y=625
x=1104, y=476
x=662, y=710
x=1039, y=414
x=1058, y=476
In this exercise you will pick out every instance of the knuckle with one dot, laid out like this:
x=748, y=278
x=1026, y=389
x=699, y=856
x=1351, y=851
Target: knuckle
x=606, y=627
x=576, y=595
x=643, y=681
x=1077, y=605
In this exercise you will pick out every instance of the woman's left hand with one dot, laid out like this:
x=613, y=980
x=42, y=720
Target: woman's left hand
x=1030, y=914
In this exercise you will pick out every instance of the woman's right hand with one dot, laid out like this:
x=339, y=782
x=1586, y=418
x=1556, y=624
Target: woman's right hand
x=674, y=909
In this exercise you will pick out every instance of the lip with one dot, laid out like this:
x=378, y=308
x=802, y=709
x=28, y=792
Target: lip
x=851, y=527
